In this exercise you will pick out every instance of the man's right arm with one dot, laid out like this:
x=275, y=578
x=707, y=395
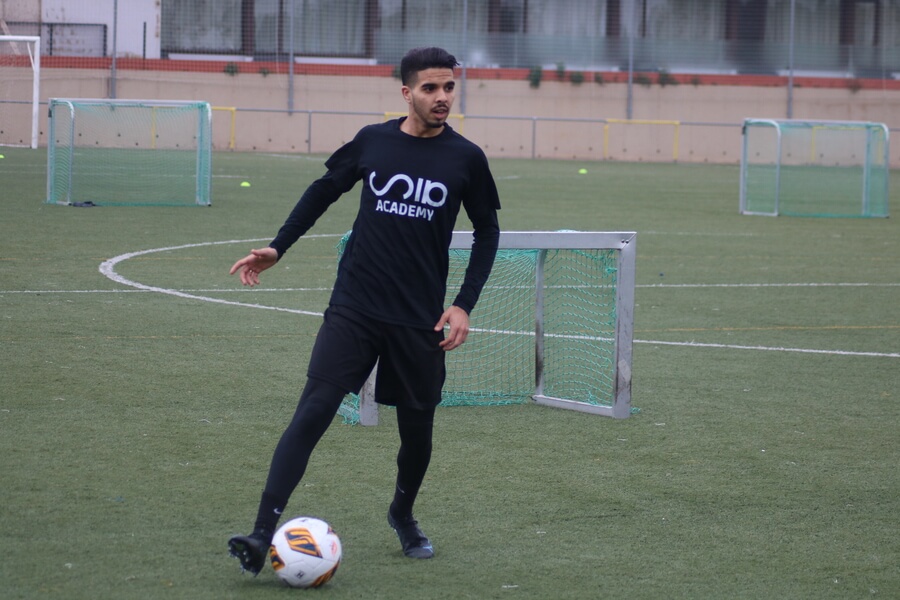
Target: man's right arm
x=321, y=194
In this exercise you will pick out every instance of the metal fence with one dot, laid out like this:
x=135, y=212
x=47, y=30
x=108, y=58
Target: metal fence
x=785, y=38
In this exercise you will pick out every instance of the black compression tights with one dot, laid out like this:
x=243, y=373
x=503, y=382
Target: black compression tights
x=415, y=427
x=318, y=405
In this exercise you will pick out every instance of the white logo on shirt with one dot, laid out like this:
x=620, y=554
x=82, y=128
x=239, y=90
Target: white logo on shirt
x=424, y=191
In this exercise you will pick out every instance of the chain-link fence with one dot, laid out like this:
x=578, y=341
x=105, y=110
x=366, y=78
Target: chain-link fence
x=634, y=38
x=650, y=61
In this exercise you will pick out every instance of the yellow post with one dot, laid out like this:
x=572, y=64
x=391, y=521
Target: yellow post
x=675, y=136
x=605, y=141
x=231, y=133
x=812, y=146
x=153, y=128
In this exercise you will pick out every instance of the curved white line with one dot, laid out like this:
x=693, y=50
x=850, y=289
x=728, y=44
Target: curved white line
x=108, y=269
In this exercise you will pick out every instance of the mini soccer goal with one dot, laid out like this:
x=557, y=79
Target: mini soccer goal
x=814, y=168
x=554, y=325
x=20, y=74
x=129, y=152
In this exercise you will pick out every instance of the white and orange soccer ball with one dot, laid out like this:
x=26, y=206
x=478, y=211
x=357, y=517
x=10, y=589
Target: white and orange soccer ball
x=305, y=552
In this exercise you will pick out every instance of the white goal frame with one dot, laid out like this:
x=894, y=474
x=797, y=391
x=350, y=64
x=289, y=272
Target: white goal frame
x=33, y=44
x=779, y=125
x=60, y=192
x=624, y=243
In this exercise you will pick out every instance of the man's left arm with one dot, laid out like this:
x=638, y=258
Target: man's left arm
x=485, y=240
x=481, y=203
x=484, y=248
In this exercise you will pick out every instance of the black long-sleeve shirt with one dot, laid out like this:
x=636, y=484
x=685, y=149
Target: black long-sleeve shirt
x=395, y=264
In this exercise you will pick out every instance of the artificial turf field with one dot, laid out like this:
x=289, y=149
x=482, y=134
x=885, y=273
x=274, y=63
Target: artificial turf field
x=136, y=426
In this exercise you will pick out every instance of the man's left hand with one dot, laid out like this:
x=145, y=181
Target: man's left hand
x=458, y=319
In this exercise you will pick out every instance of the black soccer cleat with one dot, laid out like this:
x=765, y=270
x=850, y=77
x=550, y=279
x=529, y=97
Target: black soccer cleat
x=251, y=550
x=414, y=542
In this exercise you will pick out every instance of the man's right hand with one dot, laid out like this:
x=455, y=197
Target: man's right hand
x=253, y=264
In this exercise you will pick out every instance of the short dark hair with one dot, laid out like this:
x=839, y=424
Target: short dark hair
x=419, y=59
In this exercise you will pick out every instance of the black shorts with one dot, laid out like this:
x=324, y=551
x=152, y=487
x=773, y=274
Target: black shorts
x=411, y=369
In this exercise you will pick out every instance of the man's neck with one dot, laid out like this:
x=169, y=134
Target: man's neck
x=414, y=128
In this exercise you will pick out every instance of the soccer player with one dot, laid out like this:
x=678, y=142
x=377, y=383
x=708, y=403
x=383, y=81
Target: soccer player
x=388, y=298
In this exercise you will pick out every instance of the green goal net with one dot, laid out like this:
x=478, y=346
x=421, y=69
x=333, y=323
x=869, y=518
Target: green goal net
x=553, y=325
x=814, y=168
x=129, y=152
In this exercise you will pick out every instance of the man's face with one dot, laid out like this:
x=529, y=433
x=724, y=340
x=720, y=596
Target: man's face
x=431, y=97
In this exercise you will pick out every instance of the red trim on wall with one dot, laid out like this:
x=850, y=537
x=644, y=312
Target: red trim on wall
x=256, y=67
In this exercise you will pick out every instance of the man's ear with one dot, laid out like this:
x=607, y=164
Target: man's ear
x=407, y=94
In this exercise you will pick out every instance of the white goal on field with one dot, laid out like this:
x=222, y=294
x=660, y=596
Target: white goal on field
x=814, y=168
x=20, y=78
x=554, y=325
x=129, y=152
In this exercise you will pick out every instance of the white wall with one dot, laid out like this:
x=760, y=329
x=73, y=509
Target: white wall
x=20, y=10
x=132, y=15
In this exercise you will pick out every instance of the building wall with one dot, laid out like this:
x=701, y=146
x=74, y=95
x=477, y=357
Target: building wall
x=138, y=31
x=20, y=10
x=501, y=113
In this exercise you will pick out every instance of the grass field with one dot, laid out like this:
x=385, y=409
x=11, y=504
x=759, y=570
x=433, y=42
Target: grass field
x=136, y=427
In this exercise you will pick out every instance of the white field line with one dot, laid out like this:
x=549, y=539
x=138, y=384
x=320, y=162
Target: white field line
x=701, y=345
x=763, y=285
x=771, y=349
x=107, y=268
x=147, y=289
x=703, y=233
x=256, y=290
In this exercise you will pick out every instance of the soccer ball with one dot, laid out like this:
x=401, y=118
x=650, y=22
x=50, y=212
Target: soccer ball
x=305, y=552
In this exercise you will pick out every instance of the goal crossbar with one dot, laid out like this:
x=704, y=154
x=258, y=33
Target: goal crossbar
x=578, y=293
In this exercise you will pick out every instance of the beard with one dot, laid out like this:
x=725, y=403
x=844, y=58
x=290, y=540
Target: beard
x=429, y=118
